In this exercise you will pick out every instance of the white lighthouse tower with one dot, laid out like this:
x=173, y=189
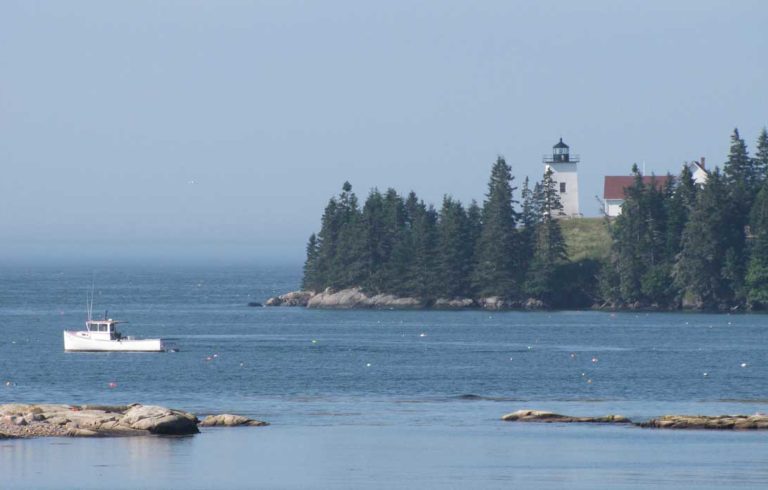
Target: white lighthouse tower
x=565, y=173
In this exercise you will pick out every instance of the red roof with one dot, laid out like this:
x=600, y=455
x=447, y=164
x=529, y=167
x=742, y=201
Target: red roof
x=615, y=184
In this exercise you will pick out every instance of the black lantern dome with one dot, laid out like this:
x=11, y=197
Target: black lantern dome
x=560, y=152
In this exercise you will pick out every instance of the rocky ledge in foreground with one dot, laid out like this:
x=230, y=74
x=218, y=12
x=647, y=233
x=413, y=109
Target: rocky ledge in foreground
x=715, y=422
x=722, y=422
x=53, y=420
x=541, y=416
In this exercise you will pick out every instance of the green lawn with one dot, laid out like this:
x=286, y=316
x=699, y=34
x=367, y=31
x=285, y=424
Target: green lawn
x=586, y=238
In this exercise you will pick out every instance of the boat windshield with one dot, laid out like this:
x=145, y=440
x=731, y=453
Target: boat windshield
x=100, y=327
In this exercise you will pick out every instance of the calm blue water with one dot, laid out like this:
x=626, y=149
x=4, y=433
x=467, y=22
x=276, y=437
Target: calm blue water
x=375, y=398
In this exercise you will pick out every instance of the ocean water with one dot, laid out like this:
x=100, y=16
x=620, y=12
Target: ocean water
x=374, y=399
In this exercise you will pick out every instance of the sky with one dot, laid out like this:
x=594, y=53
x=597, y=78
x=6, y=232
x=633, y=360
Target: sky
x=216, y=131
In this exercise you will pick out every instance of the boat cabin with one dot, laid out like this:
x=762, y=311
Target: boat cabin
x=103, y=329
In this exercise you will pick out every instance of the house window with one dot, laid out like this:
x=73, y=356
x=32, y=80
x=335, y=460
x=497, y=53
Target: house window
x=562, y=187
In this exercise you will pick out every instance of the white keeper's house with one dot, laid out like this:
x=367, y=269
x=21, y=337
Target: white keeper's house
x=615, y=185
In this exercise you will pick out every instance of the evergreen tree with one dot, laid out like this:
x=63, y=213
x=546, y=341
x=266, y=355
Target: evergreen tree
x=550, y=252
x=311, y=280
x=742, y=180
x=527, y=224
x=495, y=272
x=327, y=244
x=761, y=157
x=454, y=250
x=655, y=280
x=741, y=175
x=698, y=272
x=474, y=224
x=757, y=271
x=422, y=274
x=628, y=234
x=348, y=264
x=395, y=231
x=679, y=204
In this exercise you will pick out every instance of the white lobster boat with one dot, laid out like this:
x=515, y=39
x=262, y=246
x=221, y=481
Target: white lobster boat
x=102, y=336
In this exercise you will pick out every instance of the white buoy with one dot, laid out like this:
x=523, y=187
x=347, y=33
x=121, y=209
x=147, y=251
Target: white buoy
x=743, y=364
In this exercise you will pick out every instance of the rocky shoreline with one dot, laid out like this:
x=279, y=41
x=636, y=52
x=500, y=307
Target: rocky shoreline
x=57, y=420
x=356, y=298
x=757, y=421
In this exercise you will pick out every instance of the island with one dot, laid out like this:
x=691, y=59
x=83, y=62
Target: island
x=676, y=244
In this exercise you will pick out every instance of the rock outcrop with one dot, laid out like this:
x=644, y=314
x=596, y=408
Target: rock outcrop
x=344, y=299
x=49, y=420
x=229, y=420
x=715, y=422
x=294, y=298
x=541, y=416
x=758, y=421
x=352, y=298
x=356, y=298
x=493, y=303
x=454, y=303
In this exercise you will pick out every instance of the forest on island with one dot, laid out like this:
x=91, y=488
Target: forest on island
x=675, y=244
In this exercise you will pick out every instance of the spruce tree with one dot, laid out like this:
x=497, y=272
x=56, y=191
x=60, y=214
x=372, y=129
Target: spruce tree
x=679, y=205
x=550, y=251
x=761, y=157
x=311, y=280
x=757, y=271
x=394, y=240
x=495, y=272
x=454, y=259
x=698, y=272
x=655, y=280
x=742, y=180
x=740, y=173
x=327, y=244
x=527, y=224
x=348, y=264
x=628, y=234
x=422, y=273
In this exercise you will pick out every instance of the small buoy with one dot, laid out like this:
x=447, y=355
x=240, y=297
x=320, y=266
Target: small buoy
x=573, y=355
x=209, y=358
x=8, y=383
x=314, y=341
x=242, y=364
x=529, y=347
x=589, y=381
x=422, y=334
x=583, y=374
x=215, y=355
x=594, y=359
x=706, y=374
x=743, y=364
x=368, y=365
x=112, y=384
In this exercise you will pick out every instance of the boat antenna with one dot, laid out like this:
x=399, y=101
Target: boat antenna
x=90, y=303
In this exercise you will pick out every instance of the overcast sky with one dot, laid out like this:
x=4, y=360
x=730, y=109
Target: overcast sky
x=217, y=130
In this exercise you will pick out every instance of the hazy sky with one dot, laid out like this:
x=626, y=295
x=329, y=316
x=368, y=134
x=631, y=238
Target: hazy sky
x=218, y=130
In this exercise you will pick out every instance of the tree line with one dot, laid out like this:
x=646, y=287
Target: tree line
x=684, y=245
x=400, y=245
x=675, y=244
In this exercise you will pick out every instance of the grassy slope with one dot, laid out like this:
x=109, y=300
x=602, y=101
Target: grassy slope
x=586, y=238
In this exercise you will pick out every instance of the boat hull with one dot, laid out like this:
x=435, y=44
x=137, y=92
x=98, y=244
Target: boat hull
x=83, y=342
